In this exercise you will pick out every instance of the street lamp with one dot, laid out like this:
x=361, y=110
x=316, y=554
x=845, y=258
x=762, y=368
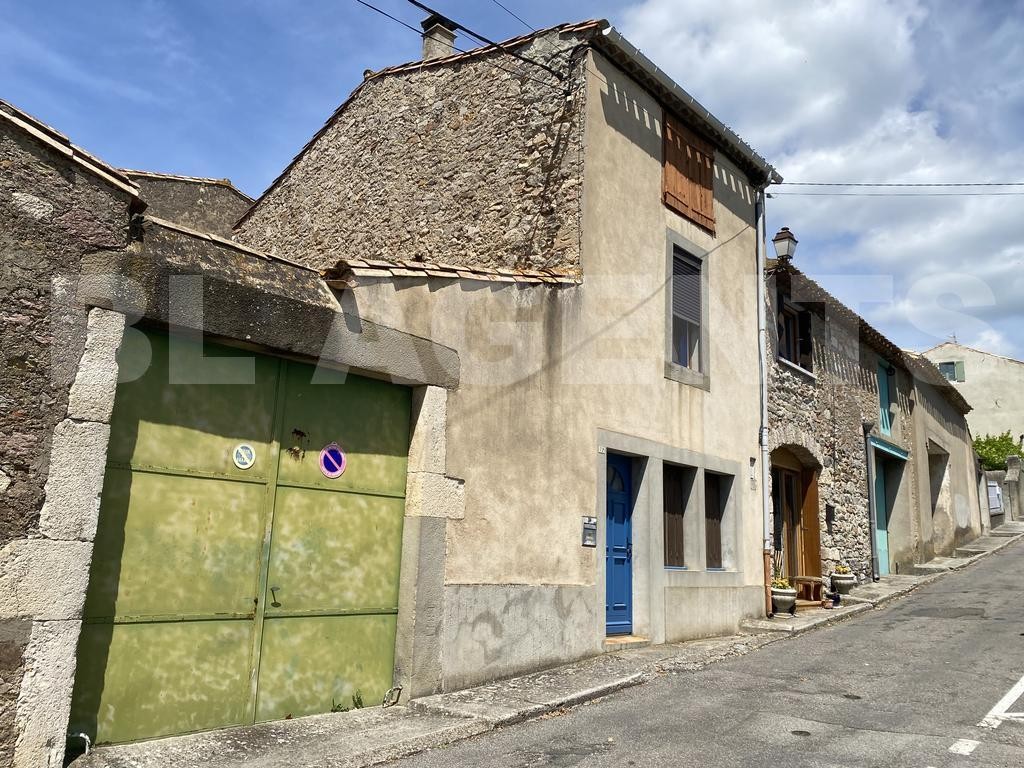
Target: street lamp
x=785, y=244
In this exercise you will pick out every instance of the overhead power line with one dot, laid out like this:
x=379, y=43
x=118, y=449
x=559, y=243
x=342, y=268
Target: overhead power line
x=460, y=50
x=514, y=16
x=487, y=41
x=895, y=194
x=901, y=184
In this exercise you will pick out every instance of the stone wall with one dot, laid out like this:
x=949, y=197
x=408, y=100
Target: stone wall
x=462, y=161
x=207, y=205
x=822, y=414
x=54, y=212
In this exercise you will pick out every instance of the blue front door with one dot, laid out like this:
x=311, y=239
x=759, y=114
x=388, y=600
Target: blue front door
x=881, y=518
x=618, y=550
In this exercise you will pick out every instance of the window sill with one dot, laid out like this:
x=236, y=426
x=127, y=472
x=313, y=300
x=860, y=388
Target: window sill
x=687, y=376
x=794, y=367
x=677, y=567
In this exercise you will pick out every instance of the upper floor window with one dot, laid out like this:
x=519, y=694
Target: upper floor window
x=688, y=174
x=885, y=372
x=686, y=311
x=953, y=370
x=795, y=342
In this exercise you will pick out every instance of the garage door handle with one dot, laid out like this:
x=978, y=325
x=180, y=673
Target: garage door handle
x=273, y=597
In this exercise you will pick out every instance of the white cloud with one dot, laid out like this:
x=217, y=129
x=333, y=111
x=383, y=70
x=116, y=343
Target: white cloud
x=898, y=91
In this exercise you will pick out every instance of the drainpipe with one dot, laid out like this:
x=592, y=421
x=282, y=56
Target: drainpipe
x=867, y=426
x=762, y=359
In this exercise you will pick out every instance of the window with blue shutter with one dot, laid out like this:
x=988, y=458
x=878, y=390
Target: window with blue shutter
x=884, y=399
x=686, y=311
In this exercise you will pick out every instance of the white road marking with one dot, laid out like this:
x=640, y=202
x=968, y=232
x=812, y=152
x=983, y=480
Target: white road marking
x=963, y=746
x=998, y=713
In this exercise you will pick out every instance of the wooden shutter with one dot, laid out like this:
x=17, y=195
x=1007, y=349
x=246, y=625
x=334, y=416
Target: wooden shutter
x=688, y=173
x=806, y=360
x=675, y=509
x=713, y=520
x=686, y=289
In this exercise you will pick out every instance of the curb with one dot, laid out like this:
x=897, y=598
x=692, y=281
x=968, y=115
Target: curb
x=532, y=710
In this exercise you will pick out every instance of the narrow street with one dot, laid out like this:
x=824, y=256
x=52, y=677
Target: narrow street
x=905, y=685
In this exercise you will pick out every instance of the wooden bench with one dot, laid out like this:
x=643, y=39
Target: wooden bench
x=809, y=589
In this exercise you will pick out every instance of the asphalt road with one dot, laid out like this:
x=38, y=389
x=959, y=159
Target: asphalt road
x=896, y=686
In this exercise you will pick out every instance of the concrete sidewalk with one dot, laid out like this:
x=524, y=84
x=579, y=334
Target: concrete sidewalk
x=371, y=736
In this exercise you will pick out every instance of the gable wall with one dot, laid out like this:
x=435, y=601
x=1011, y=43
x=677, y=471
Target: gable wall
x=460, y=162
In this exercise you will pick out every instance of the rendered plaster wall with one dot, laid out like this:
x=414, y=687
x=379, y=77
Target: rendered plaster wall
x=993, y=385
x=207, y=206
x=949, y=510
x=820, y=414
x=53, y=426
x=462, y=162
x=547, y=371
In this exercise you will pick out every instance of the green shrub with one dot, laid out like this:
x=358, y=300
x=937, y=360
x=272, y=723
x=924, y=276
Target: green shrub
x=993, y=449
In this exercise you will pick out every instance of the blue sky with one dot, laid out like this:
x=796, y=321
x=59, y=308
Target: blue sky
x=834, y=90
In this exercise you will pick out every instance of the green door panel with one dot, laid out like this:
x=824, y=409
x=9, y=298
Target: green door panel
x=169, y=545
x=368, y=419
x=309, y=662
x=139, y=681
x=182, y=632
x=335, y=552
x=192, y=426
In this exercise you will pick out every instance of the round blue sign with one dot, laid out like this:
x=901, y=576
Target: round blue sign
x=333, y=461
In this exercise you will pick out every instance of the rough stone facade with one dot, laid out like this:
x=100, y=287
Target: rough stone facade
x=53, y=214
x=58, y=207
x=819, y=416
x=470, y=162
x=206, y=205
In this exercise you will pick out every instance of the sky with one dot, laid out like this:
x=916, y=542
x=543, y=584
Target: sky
x=894, y=91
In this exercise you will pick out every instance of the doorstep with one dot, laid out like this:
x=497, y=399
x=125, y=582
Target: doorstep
x=614, y=643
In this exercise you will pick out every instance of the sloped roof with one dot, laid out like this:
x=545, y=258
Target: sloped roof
x=132, y=173
x=57, y=141
x=924, y=369
x=973, y=349
x=605, y=38
x=917, y=366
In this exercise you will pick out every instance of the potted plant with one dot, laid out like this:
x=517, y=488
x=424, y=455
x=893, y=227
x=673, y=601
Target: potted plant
x=783, y=595
x=843, y=580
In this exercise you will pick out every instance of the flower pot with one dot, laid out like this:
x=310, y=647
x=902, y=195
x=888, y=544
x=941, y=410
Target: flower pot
x=843, y=582
x=783, y=600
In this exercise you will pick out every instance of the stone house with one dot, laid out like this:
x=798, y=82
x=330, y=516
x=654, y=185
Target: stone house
x=471, y=391
x=871, y=459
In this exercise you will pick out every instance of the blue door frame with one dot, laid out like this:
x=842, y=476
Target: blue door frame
x=881, y=518
x=618, y=550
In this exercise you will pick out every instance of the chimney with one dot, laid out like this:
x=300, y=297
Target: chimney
x=438, y=36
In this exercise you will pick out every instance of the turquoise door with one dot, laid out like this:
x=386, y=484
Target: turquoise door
x=619, y=548
x=881, y=518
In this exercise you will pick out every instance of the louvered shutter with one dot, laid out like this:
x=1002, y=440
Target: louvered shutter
x=686, y=289
x=806, y=340
x=688, y=173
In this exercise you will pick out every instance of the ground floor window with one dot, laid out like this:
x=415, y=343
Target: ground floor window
x=677, y=483
x=716, y=492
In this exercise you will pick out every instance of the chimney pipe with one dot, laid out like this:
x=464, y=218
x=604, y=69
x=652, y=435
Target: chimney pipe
x=438, y=36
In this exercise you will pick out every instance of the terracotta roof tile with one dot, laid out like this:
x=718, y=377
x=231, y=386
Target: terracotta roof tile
x=348, y=271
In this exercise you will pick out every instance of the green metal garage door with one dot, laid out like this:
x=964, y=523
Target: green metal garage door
x=221, y=595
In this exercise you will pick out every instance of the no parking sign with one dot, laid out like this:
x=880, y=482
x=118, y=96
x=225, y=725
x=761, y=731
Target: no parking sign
x=333, y=461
